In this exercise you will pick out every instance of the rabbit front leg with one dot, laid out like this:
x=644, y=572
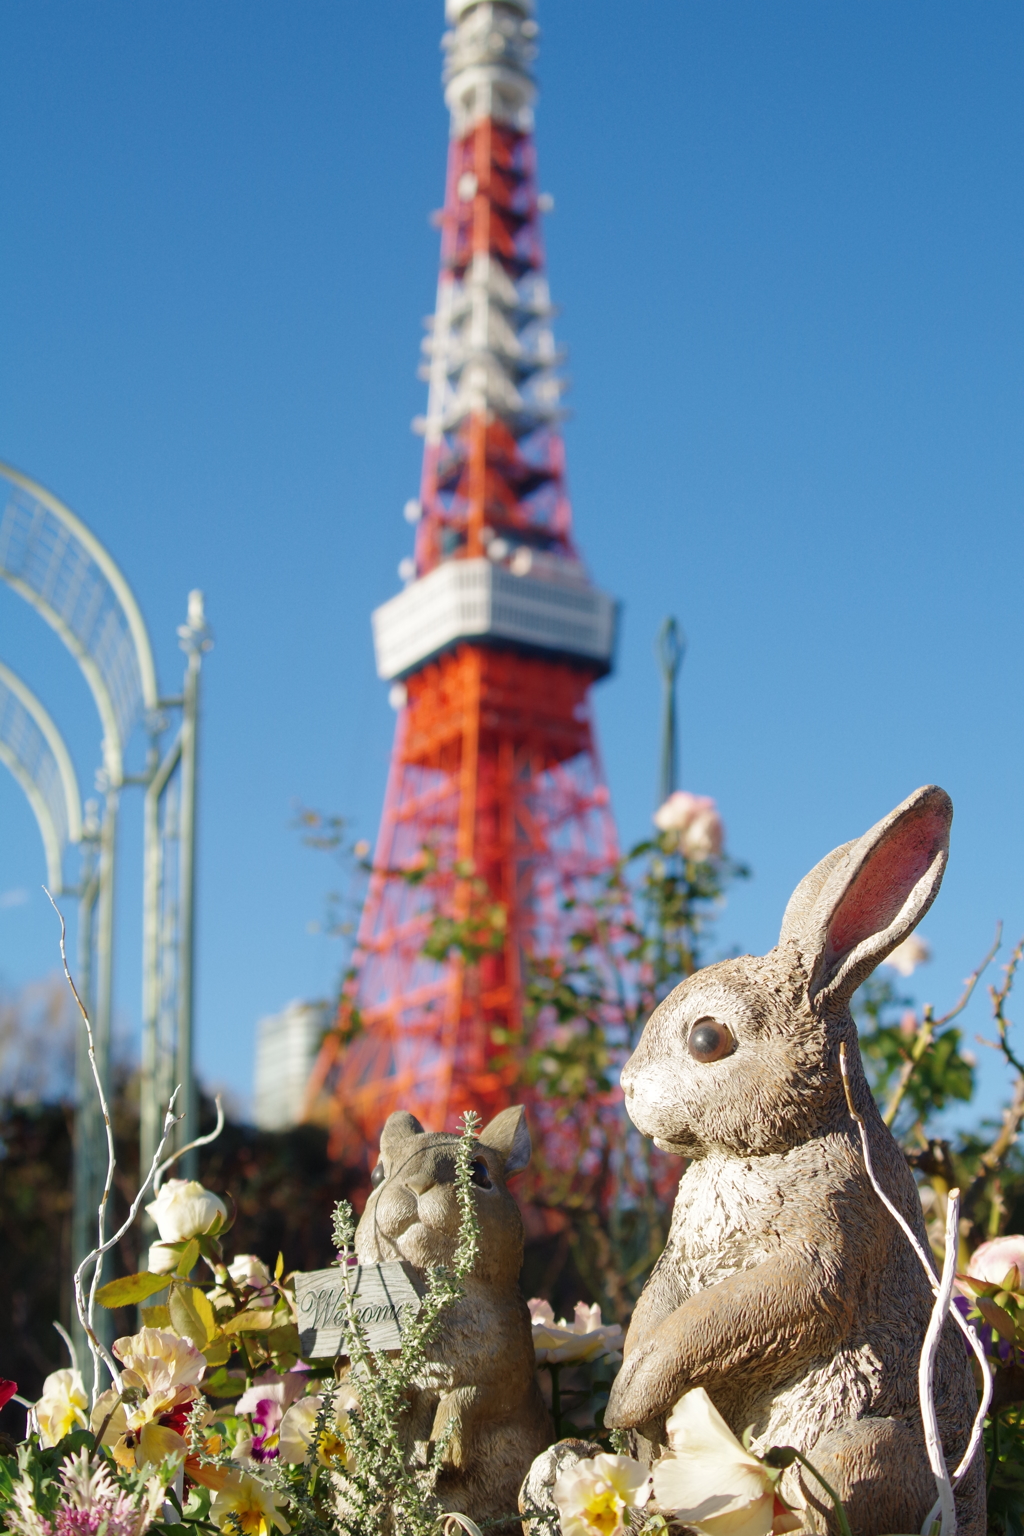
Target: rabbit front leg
x=455, y=1421
x=785, y=1308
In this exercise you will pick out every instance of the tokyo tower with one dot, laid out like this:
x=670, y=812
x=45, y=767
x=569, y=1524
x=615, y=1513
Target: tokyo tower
x=496, y=814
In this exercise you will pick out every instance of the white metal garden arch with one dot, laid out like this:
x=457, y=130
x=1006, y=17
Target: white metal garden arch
x=56, y=564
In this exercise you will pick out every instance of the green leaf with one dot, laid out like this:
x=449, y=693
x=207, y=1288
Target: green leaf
x=997, y=1318
x=221, y=1384
x=201, y=1302
x=131, y=1290
x=186, y=1316
x=258, y=1320
x=156, y=1317
x=219, y=1352
x=188, y=1259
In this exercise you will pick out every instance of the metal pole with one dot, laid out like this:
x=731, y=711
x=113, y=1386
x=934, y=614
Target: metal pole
x=670, y=649
x=96, y=951
x=152, y=1094
x=195, y=640
x=151, y=874
x=83, y=1214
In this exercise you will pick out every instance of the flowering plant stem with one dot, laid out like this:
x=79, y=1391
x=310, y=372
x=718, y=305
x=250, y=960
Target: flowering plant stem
x=555, y=1371
x=785, y=1455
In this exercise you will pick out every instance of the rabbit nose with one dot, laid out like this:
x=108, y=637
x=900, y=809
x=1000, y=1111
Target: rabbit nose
x=419, y=1183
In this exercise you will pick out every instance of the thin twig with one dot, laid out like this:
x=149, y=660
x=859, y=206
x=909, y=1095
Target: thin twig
x=200, y=1141
x=72, y=1351
x=87, y=1311
x=929, y=1025
x=993, y=1157
x=86, y=1314
x=929, y=1269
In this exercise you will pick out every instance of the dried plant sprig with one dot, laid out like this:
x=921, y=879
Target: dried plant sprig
x=929, y=1269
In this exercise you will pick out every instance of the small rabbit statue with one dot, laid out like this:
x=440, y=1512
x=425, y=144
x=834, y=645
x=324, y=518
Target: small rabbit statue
x=481, y=1378
x=786, y=1289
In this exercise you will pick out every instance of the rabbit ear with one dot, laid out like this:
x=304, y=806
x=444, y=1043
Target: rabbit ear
x=509, y=1134
x=801, y=904
x=397, y=1128
x=864, y=898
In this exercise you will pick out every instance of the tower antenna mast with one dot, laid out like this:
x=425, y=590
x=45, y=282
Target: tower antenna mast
x=670, y=648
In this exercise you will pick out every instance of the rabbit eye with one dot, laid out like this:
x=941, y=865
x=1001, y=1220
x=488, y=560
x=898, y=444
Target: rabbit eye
x=709, y=1040
x=377, y=1176
x=479, y=1174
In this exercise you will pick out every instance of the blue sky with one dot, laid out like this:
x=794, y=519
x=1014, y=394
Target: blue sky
x=787, y=245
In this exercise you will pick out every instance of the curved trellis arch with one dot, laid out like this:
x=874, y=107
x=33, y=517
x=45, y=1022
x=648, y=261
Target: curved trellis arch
x=51, y=559
x=33, y=749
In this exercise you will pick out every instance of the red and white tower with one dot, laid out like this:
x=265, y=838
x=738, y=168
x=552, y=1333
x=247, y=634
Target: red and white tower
x=495, y=802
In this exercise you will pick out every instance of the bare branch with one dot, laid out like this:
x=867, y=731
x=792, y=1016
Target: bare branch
x=994, y=1156
x=72, y=1351
x=929, y=1025
x=972, y=981
x=200, y=1141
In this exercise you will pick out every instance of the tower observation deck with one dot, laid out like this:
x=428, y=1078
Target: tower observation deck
x=496, y=823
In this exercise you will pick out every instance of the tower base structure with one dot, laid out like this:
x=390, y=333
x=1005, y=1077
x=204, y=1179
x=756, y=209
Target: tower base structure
x=496, y=828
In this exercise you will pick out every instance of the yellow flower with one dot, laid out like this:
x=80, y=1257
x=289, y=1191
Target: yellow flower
x=161, y=1365
x=133, y=1444
x=62, y=1406
x=254, y=1507
x=709, y=1481
x=150, y=1446
x=593, y=1495
x=299, y=1422
x=184, y=1209
x=108, y=1419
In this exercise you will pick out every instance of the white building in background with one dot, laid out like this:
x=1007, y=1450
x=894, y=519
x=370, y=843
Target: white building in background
x=286, y=1048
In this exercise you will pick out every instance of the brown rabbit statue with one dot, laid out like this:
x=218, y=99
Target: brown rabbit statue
x=481, y=1378
x=786, y=1289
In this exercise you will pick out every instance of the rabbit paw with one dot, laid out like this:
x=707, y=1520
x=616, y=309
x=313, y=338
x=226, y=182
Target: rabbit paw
x=451, y=1427
x=648, y=1384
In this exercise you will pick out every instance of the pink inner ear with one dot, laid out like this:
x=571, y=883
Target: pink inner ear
x=890, y=874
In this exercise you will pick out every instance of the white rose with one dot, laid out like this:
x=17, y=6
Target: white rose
x=993, y=1261
x=585, y=1338
x=250, y=1271
x=184, y=1209
x=694, y=824
x=162, y=1260
x=704, y=837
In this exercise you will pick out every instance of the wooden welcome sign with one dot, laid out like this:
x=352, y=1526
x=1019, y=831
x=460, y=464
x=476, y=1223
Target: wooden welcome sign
x=385, y=1296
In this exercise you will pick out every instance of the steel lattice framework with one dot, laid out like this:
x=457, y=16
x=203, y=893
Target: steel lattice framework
x=496, y=809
